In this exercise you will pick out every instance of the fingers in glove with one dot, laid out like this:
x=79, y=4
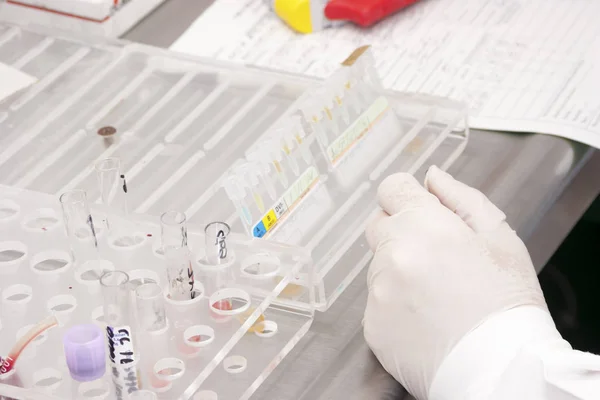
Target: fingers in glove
x=409, y=212
x=468, y=203
x=373, y=231
x=399, y=193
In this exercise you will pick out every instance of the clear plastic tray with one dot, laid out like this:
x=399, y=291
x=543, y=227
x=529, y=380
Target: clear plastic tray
x=92, y=17
x=183, y=122
x=38, y=277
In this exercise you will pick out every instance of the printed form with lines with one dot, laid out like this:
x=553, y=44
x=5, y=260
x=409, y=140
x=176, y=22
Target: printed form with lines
x=521, y=65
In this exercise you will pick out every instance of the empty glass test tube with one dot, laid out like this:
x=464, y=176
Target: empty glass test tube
x=262, y=169
x=325, y=98
x=175, y=248
x=274, y=152
x=150, y=307
x=215, y=237
x=116, y=291
x=79, y=226
x=315, y=116
x=249, y=176
x=235, y=192
x=300, y=136
x=113, y=190
x=288, y=145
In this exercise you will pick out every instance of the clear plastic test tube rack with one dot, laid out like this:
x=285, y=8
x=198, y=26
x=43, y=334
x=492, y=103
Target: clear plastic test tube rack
x=226, y=340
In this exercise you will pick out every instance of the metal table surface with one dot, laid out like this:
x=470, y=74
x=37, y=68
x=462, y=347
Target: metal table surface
x=543, y=183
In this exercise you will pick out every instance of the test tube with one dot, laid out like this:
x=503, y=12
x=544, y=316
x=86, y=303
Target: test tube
x=116, y=291
x=351, y=91
x=79, y=226
x=300, y=135
x=113, y=190
x=313, y=114
x=250, y=177
x=235, y=192
x=323, y=96
x=175, y=247
x=262, y=168
x=275, y=154
x=215, y=237
x=338, y=93
x=7, y=363
x=150, y=307
x=288, y=145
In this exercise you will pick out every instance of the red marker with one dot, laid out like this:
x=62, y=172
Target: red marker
x=364, y=12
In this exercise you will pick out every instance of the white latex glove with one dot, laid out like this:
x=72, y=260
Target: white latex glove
x=445, y=261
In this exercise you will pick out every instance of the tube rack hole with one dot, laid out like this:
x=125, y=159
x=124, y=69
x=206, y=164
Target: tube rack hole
x=17, y=294
x=235, y=364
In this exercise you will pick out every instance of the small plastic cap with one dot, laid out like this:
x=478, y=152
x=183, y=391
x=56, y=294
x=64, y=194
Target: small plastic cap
x=85, y=352
x=295, y=13
x=364, y=12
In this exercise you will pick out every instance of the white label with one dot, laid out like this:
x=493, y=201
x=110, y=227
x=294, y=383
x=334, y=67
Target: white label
x=125, y=380
x=357, y=130
x=120, y=345
x=280, y=208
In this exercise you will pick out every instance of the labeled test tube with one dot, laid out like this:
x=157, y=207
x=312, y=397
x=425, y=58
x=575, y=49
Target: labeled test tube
x=150, y=307
x=215, y=236
x=79, y=226
x=122, y=356
x=180, y=274
x=113, y=190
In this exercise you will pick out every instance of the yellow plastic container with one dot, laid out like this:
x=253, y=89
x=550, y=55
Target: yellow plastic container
x=299, y=15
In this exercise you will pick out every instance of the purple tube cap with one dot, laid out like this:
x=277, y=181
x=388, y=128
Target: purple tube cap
x=85, y=351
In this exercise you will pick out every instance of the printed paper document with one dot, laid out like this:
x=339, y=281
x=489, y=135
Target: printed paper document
x=520, y=65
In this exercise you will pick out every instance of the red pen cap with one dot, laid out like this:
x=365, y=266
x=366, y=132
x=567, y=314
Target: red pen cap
x=364, y=12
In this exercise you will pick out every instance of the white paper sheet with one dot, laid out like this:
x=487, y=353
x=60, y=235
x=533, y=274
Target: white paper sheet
x=521, y=65
x=13, y=80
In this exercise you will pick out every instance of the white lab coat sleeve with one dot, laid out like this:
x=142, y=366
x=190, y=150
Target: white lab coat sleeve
x=517, y=354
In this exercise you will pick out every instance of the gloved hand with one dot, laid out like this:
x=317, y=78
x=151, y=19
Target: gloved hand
x=445, y=260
